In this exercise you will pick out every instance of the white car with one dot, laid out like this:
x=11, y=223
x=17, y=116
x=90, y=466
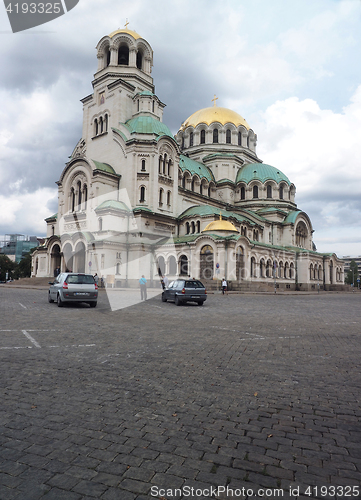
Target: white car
x=73, y=287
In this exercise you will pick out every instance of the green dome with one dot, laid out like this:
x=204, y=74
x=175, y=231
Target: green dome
x=147, y=125
x=260, y=172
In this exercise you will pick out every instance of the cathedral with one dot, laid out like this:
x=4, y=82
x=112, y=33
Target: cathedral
x=135, y=199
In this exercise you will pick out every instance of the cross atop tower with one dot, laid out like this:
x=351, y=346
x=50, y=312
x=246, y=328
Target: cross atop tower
x=214, y=101
x=126, y=24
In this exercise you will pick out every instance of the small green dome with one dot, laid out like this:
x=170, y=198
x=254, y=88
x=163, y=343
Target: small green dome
x=260, y=172
x=147, y=125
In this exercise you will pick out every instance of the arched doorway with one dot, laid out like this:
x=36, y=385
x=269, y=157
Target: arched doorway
x=183, y=263
x=68, y=257
x=55, y=262
x=206, y=262
x=240, y=264
x=172, y=266
x=161, y=266
x=79, y=258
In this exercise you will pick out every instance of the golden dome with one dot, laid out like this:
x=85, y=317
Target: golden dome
x=214, y=114
x=220, y=225
x=128, y=32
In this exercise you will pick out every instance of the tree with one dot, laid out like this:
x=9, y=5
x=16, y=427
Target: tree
x=352, y=274
x=23, y=268
x=6, y=266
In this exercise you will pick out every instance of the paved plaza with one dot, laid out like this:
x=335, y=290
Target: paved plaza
x=249, y=396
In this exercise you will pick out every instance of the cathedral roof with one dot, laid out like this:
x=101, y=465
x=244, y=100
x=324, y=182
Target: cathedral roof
x=194, y=167
x=113, y=204
x=214, y=114
x=260, y=172
x=147, y=125
x=134, y=34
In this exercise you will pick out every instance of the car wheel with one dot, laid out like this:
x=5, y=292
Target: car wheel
x=59, y=301
x=50, y=300
x=200, y=303
x=163, y=298
x=177, y=301
x=92, y=304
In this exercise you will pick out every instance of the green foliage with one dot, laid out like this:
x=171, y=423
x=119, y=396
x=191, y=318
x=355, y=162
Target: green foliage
x=6, y=266
x=352, y=274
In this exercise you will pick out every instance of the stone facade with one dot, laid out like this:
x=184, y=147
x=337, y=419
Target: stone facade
x=134, y=199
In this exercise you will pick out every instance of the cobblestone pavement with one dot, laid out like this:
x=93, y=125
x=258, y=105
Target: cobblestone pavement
x=248, y=395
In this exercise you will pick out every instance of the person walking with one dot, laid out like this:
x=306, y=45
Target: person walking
x=165, y=281
x=224, y=286
x=143, y=288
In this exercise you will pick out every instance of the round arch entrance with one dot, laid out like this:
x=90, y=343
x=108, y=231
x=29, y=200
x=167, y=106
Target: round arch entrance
x=206, y=262
x=55, y=261
x=79, y=258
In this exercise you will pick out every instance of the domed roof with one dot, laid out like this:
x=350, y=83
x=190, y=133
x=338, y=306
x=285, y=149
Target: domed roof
x=214, y=114
x=134, y=34
x=260, y=172
x=147, y=125
x=220, y=225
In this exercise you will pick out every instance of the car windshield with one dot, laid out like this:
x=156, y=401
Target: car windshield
x=193, y=284
x=80, y=279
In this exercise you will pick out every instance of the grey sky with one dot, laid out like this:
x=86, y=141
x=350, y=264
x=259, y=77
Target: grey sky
x=290, y=71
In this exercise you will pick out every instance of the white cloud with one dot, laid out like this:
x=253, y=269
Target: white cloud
x=319, y=151
x=25, y=213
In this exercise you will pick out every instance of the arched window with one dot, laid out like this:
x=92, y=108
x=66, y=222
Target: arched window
x=187, y=227
x=228, y=137
x=153, y=105
x=239, y=138
x=255, y=235
x=253, y=268
x=160, y=197
x=281, y=192
x=139, y=60
x=85, y=196
x=193, y=226
x=193, y=184
x=269, y=191
x=209, y=191
x=184, y=181
x=79, y=195
x=169, y=167
x=215, y=136
x=182, y=141
x=142, y=194
x=106, y=123
x=168, y=198
x=255, y=191
x=123, y=55
x=191, y=139
x=100, y=224
x=107, y=56
x=286, y=270
x=183, y=264
x=243, y=193
x=311, y=272
x=261, y=268
x=203, y=136
x=143, y=165
x=72, y=199
x=160, y=165
x=198, y=226
x=280, y=270
x=164, y=163
x=96, y=127
x=117, y=268
x=101, y=125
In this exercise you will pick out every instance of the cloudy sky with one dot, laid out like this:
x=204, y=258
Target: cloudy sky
x=290, y=68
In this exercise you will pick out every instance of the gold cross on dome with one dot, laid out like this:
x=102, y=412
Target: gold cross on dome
x=214, y=100
x=126, y=24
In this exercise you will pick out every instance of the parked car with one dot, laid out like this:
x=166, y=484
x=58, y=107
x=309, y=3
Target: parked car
x=73, y=287
x=186, y=290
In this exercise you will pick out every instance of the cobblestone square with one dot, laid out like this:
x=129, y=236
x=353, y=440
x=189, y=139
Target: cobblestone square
x=251, y=395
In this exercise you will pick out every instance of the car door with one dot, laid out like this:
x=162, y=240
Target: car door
x=53, y=290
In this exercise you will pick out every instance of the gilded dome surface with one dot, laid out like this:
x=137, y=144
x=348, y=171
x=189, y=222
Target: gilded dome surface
x=220, y=225
x=215, y=114
x=128, y=32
